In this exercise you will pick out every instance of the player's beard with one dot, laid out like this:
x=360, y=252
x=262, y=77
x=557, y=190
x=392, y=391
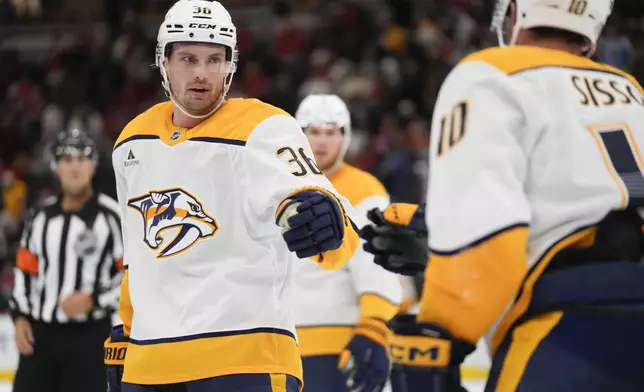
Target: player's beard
x=199, y=107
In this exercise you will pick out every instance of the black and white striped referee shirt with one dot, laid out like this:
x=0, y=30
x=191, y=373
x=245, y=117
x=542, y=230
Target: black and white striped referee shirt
x=63, y=252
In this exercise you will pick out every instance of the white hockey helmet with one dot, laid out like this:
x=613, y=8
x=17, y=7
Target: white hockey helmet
x=197, y=21
x=584, y=17
x=325, y=110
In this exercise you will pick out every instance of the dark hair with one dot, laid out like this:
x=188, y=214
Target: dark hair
x=568, y=36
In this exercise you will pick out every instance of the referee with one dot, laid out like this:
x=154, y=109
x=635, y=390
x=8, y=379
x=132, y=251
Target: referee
x=67, y=277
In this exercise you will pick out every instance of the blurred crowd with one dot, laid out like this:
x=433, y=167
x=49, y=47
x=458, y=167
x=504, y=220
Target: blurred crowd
x=69, y=63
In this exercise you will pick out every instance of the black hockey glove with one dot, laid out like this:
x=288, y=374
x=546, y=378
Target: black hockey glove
x=115, y=348
x=312, y=223
x=398, y=238
x=425, y=357
x=364, y=362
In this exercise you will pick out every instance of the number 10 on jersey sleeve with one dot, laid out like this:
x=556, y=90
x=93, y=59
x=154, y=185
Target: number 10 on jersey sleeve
x=622, y=158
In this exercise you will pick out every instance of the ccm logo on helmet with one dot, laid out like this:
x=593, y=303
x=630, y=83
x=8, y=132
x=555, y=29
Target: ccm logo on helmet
x=202, y=26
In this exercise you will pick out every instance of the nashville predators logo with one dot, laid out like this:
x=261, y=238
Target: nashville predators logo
x=172, y=209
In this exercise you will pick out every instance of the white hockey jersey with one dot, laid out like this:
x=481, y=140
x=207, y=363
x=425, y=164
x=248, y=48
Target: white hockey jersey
x=208, y=289
x=329, y=303
x=529, y=149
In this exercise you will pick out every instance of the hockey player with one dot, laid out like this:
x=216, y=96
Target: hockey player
x=341, y=315
x=219, y=198
x=536, y=175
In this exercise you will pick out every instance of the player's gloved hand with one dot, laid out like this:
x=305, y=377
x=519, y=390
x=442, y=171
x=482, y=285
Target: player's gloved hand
x=312, y=223
x=115, y=348
x=398, y=238
x=425, y=357
x=365, y=361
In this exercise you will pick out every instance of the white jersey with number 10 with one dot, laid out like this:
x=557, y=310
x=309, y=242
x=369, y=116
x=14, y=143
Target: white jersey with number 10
x=530, y=148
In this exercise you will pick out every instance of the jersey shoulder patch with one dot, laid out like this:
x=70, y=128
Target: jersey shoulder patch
x=237, y=119
x=356, y=184
x=144, y=125
x=515, y=59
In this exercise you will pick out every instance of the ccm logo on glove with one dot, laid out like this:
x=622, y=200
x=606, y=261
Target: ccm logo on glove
x=419, y=350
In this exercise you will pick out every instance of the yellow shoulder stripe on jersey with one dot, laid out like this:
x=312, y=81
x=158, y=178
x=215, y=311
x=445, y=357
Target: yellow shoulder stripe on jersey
x=231, y=124
x=465, y=291
x=518, y=58
x=146, y=125
x=323, y=339
x=580, y=238
x=235, y=120
x=525, y=340
x=126, y=311
x=356, y=185
x=375, y=306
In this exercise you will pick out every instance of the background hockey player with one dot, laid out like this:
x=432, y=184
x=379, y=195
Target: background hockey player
x=203, y=183
x=341, y=315
x=534, y=235
x=67, y=277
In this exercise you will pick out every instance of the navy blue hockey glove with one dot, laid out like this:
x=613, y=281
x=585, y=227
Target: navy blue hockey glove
x=312, y=223
x=398, y=238
x=364, y=362
x=425, y=357
x=115, y=348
